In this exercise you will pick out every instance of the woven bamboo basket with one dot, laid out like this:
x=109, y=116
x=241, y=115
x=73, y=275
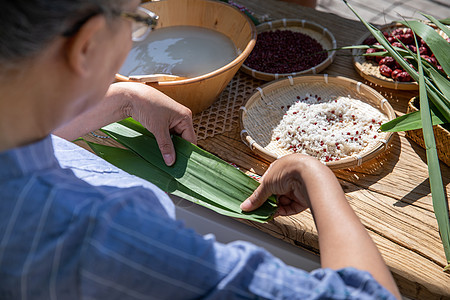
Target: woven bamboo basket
x=262, y=113
x=314, y=30
x=369, y=69
x=441, y=136
x=198, y=93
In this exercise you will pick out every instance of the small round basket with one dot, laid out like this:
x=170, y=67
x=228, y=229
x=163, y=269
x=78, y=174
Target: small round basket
x=314, y=30
x=263, y=112
x=369, y=70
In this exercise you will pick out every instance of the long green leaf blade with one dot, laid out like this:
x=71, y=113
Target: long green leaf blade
x=436, y=22
x=407, y=122
x=132, y=163
x=434, y=172
x=196, y=169
x=437, y=189
x=442, y=83
x=439, y=46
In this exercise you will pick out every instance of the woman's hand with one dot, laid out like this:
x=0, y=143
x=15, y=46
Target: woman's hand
x=284, y=180
x=300, y=182
x=160, y=114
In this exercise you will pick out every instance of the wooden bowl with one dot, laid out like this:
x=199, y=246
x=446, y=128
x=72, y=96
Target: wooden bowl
x=264, y=111
x=198, y=93
x=314, y=30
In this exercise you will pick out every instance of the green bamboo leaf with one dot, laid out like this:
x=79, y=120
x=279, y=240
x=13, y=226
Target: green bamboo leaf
x=442, y=83
x=436, y=22
x=426, y=87
x=407, y=122
x=445, y=21
x=198, y=170
x=132, y=163
x=438, y=45
x=438, y=99
x=434, y=172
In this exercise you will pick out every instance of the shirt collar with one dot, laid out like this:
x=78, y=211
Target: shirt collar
x=28, y=159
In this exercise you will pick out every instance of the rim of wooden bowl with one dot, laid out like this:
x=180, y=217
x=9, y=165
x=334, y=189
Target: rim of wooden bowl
x=238, y=60
x=297, y=24
x=257, y=121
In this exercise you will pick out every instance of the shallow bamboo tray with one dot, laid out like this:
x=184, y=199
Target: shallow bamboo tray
x=441, y=136
x=199, y=92
x=314, y=30
x=369, y=69
x=262, y=113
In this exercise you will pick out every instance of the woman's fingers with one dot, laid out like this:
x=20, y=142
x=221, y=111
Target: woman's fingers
x=257, y=199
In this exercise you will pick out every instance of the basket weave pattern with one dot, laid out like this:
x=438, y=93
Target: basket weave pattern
x=262, y=113
x=223, y=114
x=441, y=135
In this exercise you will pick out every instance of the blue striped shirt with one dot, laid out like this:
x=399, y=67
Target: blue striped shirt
x=73, y=226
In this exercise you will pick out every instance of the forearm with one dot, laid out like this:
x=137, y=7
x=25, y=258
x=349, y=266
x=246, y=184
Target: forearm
x=114, y=107
x=343, y=239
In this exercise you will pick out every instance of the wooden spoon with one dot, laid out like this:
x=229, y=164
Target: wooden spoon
x=155, y=77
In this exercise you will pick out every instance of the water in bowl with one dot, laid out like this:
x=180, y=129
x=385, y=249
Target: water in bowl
x=187, y=51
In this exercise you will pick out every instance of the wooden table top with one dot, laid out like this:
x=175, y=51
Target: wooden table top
x=391, y=196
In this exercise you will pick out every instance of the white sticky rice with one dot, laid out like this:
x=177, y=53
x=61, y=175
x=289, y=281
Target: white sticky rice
x=328, y=129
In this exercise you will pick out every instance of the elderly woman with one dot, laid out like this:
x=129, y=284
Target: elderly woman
x=73, y=226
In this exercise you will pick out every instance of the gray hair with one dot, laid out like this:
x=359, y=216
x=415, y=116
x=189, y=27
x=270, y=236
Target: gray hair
x=27, y=26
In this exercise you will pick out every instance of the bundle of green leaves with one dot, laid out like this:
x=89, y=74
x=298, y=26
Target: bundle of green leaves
x=197, y=175
x=434, y=95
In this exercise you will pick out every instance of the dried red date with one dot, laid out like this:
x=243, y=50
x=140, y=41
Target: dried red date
x=369, y=51
x=397, y=44
x=412, y=48
x=431, y=60
x=406, y=39
x=385, y=70
x=395, y=73
x=402, y=38
x=388, y=61
x=423, y=50
x=403, y=77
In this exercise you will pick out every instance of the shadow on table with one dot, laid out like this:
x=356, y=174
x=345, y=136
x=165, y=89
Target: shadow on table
x=372, y=171
x=418, y=192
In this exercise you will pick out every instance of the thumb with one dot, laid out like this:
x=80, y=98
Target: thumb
x=165, y=146
x=259, y=196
